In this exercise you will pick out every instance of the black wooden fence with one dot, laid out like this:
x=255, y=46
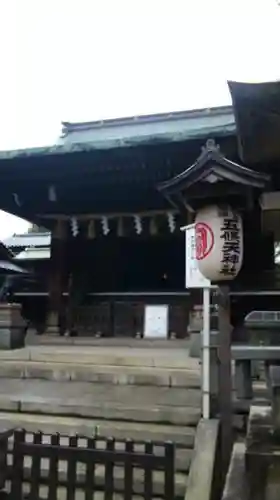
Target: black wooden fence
x=77, y=468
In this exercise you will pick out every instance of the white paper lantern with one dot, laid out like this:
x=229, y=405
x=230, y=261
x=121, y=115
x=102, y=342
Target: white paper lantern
x=219, y=243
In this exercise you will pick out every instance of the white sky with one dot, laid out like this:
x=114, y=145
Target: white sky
x=82, y=60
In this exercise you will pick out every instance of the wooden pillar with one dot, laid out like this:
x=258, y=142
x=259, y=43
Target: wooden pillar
x=72, y=301
x=56, y=277
x=77, y=283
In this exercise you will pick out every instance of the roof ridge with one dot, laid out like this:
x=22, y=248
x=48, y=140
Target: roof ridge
x=68, y=126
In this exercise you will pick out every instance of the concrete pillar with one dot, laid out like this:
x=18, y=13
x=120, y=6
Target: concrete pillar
x=243, y=379
x=262, y=454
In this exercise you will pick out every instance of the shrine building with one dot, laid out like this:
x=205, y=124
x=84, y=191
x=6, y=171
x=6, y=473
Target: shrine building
x=114, y=196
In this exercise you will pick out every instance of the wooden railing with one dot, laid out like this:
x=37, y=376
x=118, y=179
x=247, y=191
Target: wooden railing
x=76, y=468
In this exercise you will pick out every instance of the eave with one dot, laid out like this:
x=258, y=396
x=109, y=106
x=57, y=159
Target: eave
x=122, y=180
x=5, y=253
x=256, y=108
x=7, y=265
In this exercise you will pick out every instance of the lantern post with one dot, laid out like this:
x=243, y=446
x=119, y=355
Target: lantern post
x=194, y=279
x=206, y=352
x=219, y=248
x=217, y=191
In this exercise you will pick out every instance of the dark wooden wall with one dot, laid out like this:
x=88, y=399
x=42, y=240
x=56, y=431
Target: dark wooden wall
x=125, y=318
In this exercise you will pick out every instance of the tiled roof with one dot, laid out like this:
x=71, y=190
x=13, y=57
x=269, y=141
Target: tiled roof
x=28, y=240
x=128, y=132
x=34, y=254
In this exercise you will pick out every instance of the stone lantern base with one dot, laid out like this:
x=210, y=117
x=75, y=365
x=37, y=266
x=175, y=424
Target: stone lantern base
x=12, y=331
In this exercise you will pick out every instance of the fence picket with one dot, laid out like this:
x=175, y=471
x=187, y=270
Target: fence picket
x=109, y=472
x=53, y=469
x=72, y=469
x=90, y=472
x=35, y=468
x=169, y=470
x=128, y=472
x=148, y=474
x=18, y=462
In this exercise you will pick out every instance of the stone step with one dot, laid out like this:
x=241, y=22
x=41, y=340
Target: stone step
x=117, y=356
x=117, y=375
x=144, y=343
x=91, y=394
x=78, y=408
x=120, y=430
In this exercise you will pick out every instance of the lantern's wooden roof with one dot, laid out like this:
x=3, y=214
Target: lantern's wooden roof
x=212, y=163
x=211, y=176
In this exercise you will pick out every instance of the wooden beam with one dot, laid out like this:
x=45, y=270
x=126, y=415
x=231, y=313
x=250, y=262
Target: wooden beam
x=87, y=217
